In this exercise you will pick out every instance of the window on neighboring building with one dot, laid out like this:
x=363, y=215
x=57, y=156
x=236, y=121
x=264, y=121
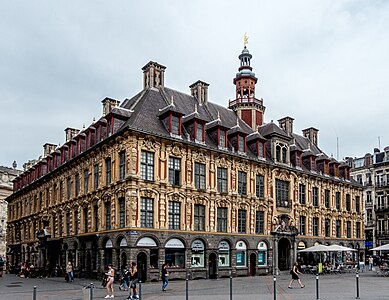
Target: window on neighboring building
x=315, y=196
x=303, y=225
x=380, y=226
x=108, y=166
x=147, y=212
x=327, y=227
x=282, y=193
x=96, y=217
x=302, y=195
x=77, y=184
x=368, y=197
x=348, y=202
x=358, y=204
x=76, y=221
x=86, y=180
x=96, y=176
x=122, y=165
x=260, y=222
x=174, y=215
x=337, y=200
x=67, y=223
x=327, y=198
x=107, y=215
x=174, y=170
x=242, y=215
x=147, y=165
x=85, y=212
x=242, y=183
x=358, y=229
x=122, y=212
x=348, y=229
x=199, y=217
x=316, y=226
x=68, y=187
x=222, y=219
x=260, y=186
x=222, y=180
x=60, y=228
x=199, y=176
x=338, y=228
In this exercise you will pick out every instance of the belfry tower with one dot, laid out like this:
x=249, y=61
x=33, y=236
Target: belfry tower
x=248, y=108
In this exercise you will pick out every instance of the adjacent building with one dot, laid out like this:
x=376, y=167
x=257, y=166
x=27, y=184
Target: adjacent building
x=169, y=176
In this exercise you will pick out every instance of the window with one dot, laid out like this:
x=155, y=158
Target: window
x=76, y=221
x=222, y=138
x=198, y=257
x=315, y=196
x=199, y=132
x=122, y=212
x=200, y=176
x=316, y=226
x=108, y=171
x=86, y=180
x=358, y=229
x=260, y=222
x=358, y=204
x=242, y=213
x=107, y=215
x=222, y=180
x=241, y=144
x=327, y=227
x=282, y=193
x=175, y=125
x=174, y=215
x=302, y=225
x=77, y=185
x=348, y=202
x=368, y=197
x=174, y=170
x=302, y=193
x=242, y=183
x=85, y=212
x=147, y=213
x=222, y=219
x=96, y=217
x=122, y=165
x=147, y=165
x=199, y=217
x=260, y=186
x=60, y=191
x=338, y=228
x=67, y=223
x=348, y=229
x=241, y=253
x=68, y=187
x=327, y=198
x=337, y=200
x=54, y=227
x=60, y=229
x=224, y=254
x=262, y=254
x=380, y=226
x=96, y=176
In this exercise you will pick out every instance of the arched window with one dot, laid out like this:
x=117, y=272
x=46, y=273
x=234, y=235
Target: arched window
x=175, y=253
x=198, y=257
x=262, y=254
x=224, y=254
x=241, y=254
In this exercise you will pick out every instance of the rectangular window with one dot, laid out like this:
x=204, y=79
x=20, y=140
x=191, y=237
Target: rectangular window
x=60, y=191
x=327, y=227
x=108, y=165
x=222, y=219
x=107, y=215
x=77, y=184
x=348, y=202
x=200, y=176
x=222, y=180
x=282, y=193
x=60, y=229
x=302, y=225
x=338, y=228
x=327, y=198
x=222, y=138
x=358, y=204
x=175, y=125
x=76, y=221
x=122, y=212
x=85, y=219
x=242, y=215
x=242, y=183
x=86, y=180
x=147, y=165
x=96, y=217
x=199, y=132
x=358, y=229
x=316, y=226
x=199, y=217
x=174, y=170
x=241, y=144
x=315, y=196
x=68, y=187
x=260, y=222
x=147, y=212
x=174, y=215
x=96, y=176
x=122, y=165
x=302, y=196
x=260, y=186
x=368, y=197
x=337, y=200
x=348, y=229
x=67, y=223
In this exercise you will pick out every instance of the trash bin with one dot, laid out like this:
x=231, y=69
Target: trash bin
x=87, y=292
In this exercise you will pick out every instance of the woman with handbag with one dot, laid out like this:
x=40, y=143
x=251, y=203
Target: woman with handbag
x=295, y=276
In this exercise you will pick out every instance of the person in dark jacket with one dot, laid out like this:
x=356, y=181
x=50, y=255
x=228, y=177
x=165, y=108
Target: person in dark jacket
x=165, y=277
x=295, y=275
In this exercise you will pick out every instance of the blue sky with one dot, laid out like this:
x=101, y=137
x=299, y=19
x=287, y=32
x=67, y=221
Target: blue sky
x=324, y=63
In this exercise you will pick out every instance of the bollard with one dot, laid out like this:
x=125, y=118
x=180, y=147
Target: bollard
x=357, y=279
x=275, y=287
x=230, y=285
x=187, y=287
x=34, y=293
x=317, y=286
x=140, y=289
x=91, y=291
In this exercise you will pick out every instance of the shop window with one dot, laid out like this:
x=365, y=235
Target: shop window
x=241, y=254
x=175, y=253
x=198, y=257
x=262, y=254
x=224, y=254
x=154, y=258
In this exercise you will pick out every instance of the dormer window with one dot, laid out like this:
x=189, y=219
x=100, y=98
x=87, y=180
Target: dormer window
x=199, y=132
x=175, y=127
x=313, y=164
x=222, y=138
x=261, y=150
x=298, y=160
x=281, y=153
x=241, y=144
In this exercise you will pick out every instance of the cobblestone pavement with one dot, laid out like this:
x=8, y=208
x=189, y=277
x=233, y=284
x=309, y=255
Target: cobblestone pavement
x=332, y=287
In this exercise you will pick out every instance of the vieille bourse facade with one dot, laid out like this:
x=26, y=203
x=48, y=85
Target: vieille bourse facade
x=171, y=177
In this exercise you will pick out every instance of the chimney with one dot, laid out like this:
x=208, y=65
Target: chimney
x=70, y=133
x=311, y=134
x=48, y=148
x=199, y=90
x=153, y=75
x=109, y=104
x=286, y=124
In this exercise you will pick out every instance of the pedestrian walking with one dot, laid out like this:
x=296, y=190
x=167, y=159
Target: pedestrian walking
x=69, y=271
x=111, y=275
x=371, y=261
x=165, y=277
x=124, y=282
x=133, y=281
x=295, y=276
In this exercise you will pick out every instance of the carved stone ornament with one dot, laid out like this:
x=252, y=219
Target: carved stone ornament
x=222, y=162
x=200, y=157
x=242, y=167
x=176, y=151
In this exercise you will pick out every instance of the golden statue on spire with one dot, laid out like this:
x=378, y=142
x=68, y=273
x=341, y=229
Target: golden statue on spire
x=245, y=39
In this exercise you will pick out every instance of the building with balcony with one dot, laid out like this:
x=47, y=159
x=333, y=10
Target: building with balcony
x=171, y=177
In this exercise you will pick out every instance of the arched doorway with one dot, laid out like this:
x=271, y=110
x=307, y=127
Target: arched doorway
x=253, y=264
x=212, y=266
x=141, y=262
x=123, y=260
x=283, y=254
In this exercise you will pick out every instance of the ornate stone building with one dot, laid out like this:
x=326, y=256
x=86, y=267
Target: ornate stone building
x=6, y=177
x=172, y=177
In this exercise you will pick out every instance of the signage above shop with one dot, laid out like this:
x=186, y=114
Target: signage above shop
x=175, y=243
x=197, y=245
x=146, y=242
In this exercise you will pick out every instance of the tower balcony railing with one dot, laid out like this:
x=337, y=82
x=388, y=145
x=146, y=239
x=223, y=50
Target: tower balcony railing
x=245, y=100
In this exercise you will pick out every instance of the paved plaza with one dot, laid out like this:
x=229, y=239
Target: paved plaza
x=334, y=287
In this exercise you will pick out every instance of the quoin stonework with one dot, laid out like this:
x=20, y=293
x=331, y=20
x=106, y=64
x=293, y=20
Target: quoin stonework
x=168, y=176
